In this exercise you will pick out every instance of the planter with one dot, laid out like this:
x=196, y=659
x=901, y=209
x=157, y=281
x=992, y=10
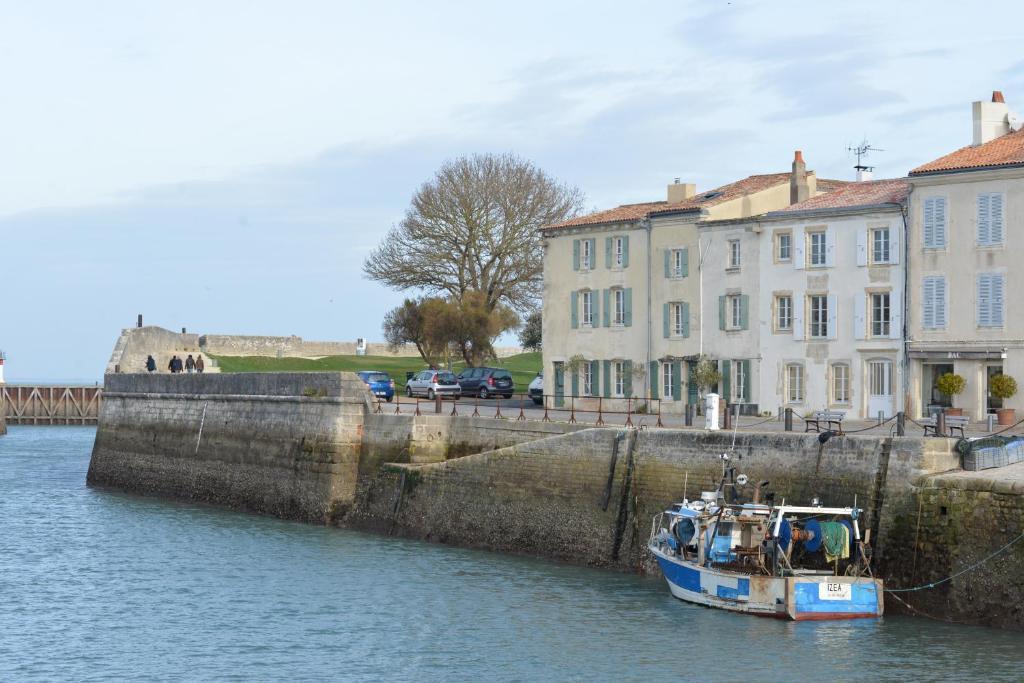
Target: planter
x=1006, y=416
x=954, y=412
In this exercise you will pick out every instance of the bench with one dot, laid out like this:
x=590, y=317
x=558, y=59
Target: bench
x=957, y=422
x=831, y=418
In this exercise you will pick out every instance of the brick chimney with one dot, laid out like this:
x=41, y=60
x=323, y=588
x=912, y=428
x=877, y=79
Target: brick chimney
x=799, y=189
x=989, y=119
x=680, y=192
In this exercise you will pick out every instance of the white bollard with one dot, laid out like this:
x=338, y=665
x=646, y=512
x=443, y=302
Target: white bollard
x=711, y=411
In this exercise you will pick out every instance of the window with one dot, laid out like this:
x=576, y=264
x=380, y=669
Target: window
x=586, y=254
x=819, y=316
x=620, y=306
x=619, y=253
x=935, y=223
x=990, y=300
x=783, y=313
x=818, y=248
x=588, y=307
x=880, y=245
x=734, y=253
x=990, y=219
x=783, y=246
x=840, y=383
x=739, y=381
x=666, y=380
x=794, y=383
x=880, y=315
x=679, y=264
x=588, y=379
x=678, y=326
x=934, y=301
x=735, y=313
x=619, y=369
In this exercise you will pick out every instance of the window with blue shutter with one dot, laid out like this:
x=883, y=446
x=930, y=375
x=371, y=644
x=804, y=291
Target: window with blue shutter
x=575, y=254
x=990, y=300
x=574, y=309
x=990, y=219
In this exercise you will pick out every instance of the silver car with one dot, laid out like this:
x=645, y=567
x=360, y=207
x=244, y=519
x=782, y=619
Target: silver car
x=431, y=383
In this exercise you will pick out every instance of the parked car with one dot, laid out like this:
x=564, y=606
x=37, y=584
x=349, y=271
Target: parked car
x=487, y=382
x=537, y=389
x=431, y=383
x=380, y=383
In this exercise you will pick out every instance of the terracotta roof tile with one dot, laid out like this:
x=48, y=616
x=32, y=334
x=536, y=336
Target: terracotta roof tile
x=740, y=188
x=1006, y=150
x=850, y=195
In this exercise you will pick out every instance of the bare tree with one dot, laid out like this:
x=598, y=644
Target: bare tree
x=473, y=226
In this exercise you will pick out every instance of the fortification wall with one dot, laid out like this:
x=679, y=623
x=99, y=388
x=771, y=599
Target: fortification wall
x=297, y=347
x=135, y=343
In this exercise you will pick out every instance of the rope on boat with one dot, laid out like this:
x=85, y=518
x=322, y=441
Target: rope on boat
x=959, y=573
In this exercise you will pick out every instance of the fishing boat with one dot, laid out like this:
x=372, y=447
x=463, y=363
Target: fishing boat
x=784, y=561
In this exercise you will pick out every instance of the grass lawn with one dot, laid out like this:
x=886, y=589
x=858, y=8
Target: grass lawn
x=524, y=367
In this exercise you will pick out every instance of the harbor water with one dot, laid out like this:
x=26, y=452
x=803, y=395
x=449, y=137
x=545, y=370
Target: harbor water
x=98, y=585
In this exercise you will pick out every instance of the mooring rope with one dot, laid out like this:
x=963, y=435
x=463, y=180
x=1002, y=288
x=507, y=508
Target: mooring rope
x=977, y=564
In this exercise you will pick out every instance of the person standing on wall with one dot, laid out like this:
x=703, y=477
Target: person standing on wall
x=190, y=364
x=173, y=365
x=150, y=364
x=200, y=365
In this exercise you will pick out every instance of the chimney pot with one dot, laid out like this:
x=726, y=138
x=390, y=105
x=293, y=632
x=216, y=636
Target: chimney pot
x=798, y=156
x=997, y=96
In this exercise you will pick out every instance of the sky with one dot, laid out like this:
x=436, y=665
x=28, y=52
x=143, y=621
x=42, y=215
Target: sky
x=227, y=166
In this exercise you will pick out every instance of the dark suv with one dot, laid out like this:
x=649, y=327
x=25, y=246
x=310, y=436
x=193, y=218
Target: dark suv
x=485, y=382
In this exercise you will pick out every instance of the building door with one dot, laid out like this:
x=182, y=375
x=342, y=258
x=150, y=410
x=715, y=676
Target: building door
x=559, y=384
x=934, y=400
x=880, y=398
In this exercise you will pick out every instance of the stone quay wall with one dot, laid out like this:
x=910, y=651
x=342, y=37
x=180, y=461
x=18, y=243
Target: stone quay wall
x=308, y=446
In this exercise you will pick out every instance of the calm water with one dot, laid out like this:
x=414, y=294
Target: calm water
x=99, y=585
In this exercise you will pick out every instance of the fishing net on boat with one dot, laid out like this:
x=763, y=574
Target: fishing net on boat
x=835, y=539
x=990, y=451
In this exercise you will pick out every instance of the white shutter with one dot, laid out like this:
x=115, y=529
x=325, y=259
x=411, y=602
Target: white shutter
x=862, y=247
x=833, y=317
x=830, y=247
x=984, y=220
x=798, y=248
x=995, y=217
x=798, y=317
x=859, y=323
x=940, y=302
x=895, y=317
x=997, y=307
x=983, y=304
x=929, y=221
x=894, y=245
x=940, y=222
x=928, y=303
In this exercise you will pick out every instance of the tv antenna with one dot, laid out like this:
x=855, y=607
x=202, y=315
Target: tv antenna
x=862, y=151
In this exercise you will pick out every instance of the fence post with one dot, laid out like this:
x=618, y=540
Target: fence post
x=659, y=424
x=940, y=423
x=688, y=415
x=789, y=420
x=600, y=415
x=572, y=409
x=901, y=424
x=497, y=412
x=629, y=412
x=437, y=403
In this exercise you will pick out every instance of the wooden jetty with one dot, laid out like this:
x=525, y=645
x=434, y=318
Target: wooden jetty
x=46, y=404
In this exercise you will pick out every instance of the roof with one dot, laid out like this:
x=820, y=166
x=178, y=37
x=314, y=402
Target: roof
x=853, y=195
x=708, y=198
x=1006, y=150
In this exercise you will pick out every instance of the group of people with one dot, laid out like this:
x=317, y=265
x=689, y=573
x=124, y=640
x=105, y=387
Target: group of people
x=176, y=365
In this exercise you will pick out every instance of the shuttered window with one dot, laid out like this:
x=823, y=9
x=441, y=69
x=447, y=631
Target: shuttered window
x=881, y=315
x=819, y=316
x=619, y=377
x=990, y=300
x=818, y=246
x=587, y=254
x=783, y=313
x=667, y=379
x=935, y=223
x=880, y=245
x=933, y=297
x=990, y=219
x=587, y=299
x=588, y=379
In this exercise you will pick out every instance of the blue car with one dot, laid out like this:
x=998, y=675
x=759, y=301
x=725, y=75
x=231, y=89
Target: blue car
x=380, y=383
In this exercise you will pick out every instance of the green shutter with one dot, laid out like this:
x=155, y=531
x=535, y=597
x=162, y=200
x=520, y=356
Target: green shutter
x=668, y=263
x=606, y=296
x=653, y=379
x=607, y=252
x=627, y=384
x=574, y=315
x=575, y=382
x=744, y=311
x=726, y=372
x=692, y=390
x=721, y=312
x=595, y=377
x=686, y=263
x=607, y=378
x=677, y=380
x=686, y=319
x=746, y=381
x=625, y=251
x=627, y=318
x=575, y=254
x=666, y=324
x=593, y=253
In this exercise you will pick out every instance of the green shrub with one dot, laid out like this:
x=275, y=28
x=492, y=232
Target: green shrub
x=950, y=384
x=1002, y=386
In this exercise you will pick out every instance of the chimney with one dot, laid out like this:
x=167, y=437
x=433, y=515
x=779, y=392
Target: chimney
x=989, y=119
x=680, y=192
x=799, y=190
x=864, y=174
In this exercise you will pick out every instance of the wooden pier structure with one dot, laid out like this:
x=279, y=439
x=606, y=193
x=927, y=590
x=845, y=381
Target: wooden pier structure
x=45, y=404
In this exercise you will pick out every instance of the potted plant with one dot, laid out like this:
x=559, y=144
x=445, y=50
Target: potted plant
x=950, y=385
x=1003, y=387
